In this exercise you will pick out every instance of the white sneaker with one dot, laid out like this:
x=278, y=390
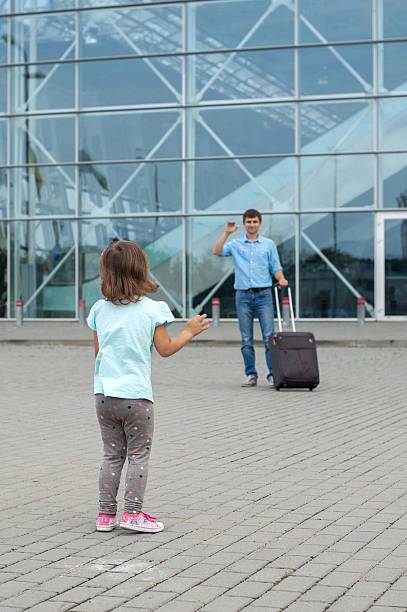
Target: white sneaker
x=270, y=380
x=250, y=382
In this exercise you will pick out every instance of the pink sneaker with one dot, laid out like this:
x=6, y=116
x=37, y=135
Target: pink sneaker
x=106, y=522
x=141, y=522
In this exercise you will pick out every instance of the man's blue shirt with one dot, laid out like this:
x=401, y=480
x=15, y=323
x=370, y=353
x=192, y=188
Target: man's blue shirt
x=256, y=261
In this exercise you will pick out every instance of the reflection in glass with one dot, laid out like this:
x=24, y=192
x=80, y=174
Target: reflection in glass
x=330, y=21
x=394, y=18
x=3, y=142
x=43, y=190
x=267, y=129
x=392, y=124
x=394, y=78
x=336, y=70
x=395, y=254
x=238, y=23
x=43, y=37
x=128, y=31
x=345, y=240
x=337, y=181
x=209, y=275
x=43, y=140
x=3, y=192
x=336, y=126
x=136, y=188
x=238, y=184
x=159, y=237
x=43, y=267
x=43, y=87
x=20, y=6
x=3, y=264
x=3, y=90
x=130, y=82
x=130, y=135
x=393, y=172
x=237, y=76
x=3, y=40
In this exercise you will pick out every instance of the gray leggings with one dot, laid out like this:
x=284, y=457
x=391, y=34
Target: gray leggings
x=127, y=427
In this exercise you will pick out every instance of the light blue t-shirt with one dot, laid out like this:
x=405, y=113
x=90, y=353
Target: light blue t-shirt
x=125, y=334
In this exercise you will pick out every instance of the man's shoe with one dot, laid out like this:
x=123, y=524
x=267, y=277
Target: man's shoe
x=141, y=521
x=106, y=522
x=250, y=382
x=270, y=380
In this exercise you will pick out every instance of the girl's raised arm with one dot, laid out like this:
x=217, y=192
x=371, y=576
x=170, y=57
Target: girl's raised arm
x=167, y=346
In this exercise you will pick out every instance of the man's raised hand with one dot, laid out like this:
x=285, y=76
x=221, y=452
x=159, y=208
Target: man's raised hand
x=231, y=226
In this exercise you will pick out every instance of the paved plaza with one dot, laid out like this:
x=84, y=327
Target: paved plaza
x=292, y=501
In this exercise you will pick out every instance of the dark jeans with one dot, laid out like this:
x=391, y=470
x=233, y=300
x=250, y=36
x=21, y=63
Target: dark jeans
x=248, y=306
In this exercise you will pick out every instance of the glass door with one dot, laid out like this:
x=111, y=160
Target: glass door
x=391, y=262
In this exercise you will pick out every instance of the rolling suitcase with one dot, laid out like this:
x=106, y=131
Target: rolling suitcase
x=293, y=355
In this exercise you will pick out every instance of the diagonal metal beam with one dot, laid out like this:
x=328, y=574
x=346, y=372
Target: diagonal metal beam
x=337, y=273
x=366, y=86
x=48, y=154
x=157, y=72
x=47, y=78
x=213, y=290
x=238, y=162
x=249, y=34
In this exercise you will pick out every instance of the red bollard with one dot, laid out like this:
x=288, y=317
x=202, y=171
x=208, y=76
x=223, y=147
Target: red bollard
x=361, y=310
x=20, y=312
x=82, y=311
x=215, y=311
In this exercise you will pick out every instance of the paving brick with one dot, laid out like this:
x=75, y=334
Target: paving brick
x=100, y=603
x=227, y=604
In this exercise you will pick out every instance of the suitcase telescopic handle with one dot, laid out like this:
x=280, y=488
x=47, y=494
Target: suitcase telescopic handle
x=290, y=301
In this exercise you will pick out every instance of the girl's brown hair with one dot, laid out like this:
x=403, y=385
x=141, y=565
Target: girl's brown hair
x=124, y=273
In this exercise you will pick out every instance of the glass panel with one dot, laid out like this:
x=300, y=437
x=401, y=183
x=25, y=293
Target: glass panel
x=43, y=140
x=330, y=21
x=43, y=267
x=127, y=31
x=83, y=3
x=345, y=240
x=209, y=275
x=3, y=192
x=394, y=78
x=393, y=170
x=3, y=143
x=336, y=126
x=4, y=6
x=238, y=24
x=3, y=90
x=137, y=135
x=394, y=18
x=3, y=40
x=43, y=190
x=130, y=82
x=392, y=124
x=395, y=253
x=336, y=70
x=238, y=184
x=261, y=74
x=161, y=239
x=43, y=37
x=137, y=188
x=3, y=265
x=336, y=181
x=20, y=6
x=267, y=129
x=43, y=87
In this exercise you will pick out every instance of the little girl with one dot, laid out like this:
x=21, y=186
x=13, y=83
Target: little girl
x=125, y=325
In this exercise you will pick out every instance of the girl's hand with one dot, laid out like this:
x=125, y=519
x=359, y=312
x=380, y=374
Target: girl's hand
x=197, y=325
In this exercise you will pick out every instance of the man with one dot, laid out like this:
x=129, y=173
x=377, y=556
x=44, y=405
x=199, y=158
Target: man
x=256, y=261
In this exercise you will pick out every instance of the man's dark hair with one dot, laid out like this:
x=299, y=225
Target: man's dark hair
x=251, y=213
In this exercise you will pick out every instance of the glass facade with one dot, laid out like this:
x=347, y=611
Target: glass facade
x=158, y=120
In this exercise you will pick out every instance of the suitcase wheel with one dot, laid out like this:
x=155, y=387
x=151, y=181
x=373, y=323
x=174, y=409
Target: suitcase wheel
x=278, y=388
x=311, y=388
